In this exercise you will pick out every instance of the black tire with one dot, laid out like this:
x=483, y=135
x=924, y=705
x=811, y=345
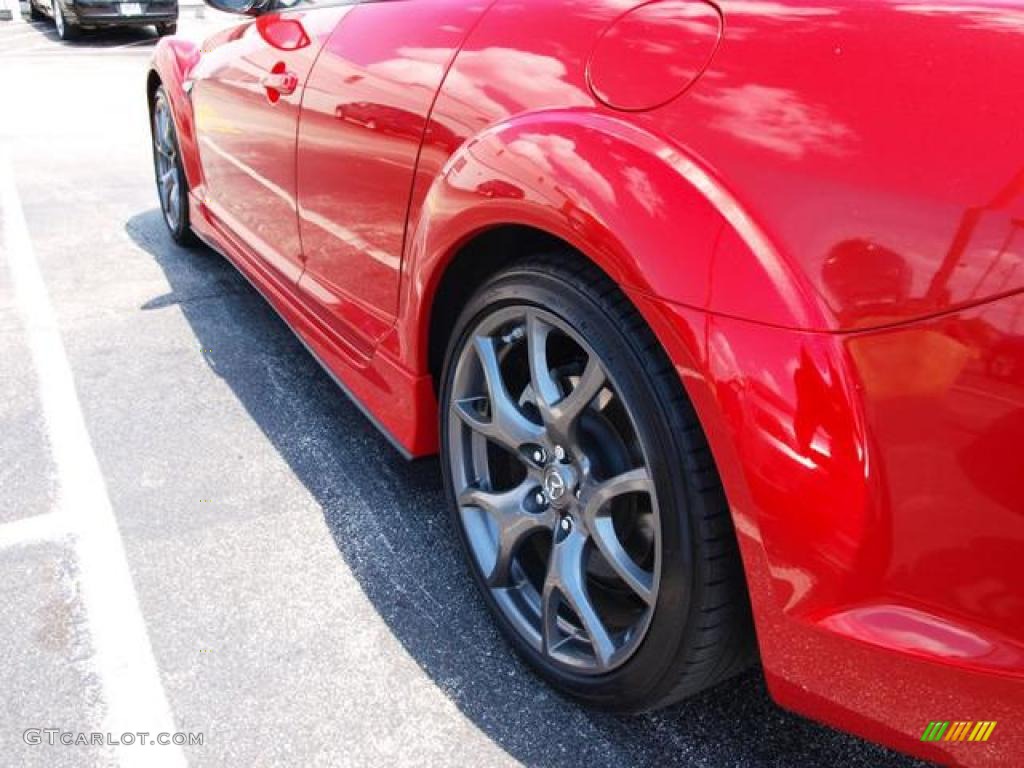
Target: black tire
x=700, y=631
x=171, y=28
x=180, y=227
x=35, y=14
x=65, y=29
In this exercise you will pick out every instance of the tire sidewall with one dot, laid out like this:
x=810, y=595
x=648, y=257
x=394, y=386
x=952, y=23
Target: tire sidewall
x=641, y=677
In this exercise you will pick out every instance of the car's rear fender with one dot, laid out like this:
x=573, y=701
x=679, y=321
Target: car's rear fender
x=646, y=213
x=693, y=263
x=669, y=234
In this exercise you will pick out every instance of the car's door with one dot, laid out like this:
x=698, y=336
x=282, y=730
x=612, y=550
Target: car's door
x=246, y=92
x=364, y=115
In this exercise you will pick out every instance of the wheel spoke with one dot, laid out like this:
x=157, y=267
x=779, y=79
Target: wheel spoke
x=175, y=203
x=164, y=139
x=559, y=413
x=602, y=529
x=639, y=580
x=508, y=426
x=545, y=388
x=165, y=133
x=633, y=481
x=566, y=581
x=513, y=521
x=165, y=195
x=159, y=132
x=566, y=411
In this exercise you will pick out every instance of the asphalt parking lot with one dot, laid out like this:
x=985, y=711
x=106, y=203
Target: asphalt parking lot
x=199, y=533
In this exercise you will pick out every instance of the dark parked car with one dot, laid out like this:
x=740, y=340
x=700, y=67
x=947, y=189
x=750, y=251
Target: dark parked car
x=72, y=16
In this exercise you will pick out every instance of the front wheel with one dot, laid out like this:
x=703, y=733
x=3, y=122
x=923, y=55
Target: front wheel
x=171, y=184
x=584, y=493
x=170, y=28
x=34, y=13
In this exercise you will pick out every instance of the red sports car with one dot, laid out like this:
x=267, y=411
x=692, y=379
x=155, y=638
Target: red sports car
x=714, y=312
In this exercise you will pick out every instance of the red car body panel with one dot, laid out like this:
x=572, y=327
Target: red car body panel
x=353, y=233
x=817, y=209
x=248, y=153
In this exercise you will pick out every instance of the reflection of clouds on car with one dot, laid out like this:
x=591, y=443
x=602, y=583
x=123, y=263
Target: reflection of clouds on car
x=778, y=119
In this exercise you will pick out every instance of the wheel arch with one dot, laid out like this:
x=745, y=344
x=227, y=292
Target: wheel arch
x=679, y=331
x=653, y=219
x=485, y=252
x=481, y=256
x=173, y=59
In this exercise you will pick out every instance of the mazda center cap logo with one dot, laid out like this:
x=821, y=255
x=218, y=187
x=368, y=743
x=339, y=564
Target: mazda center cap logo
x=554, y=484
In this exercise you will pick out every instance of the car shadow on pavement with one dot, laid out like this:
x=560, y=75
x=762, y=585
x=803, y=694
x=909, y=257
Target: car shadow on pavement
x=388, y=520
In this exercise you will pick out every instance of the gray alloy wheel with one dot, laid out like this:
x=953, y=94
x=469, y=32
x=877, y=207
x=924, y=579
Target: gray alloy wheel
x=583, y=491
x=555, y=497
x=168, y=177
x=171, y=183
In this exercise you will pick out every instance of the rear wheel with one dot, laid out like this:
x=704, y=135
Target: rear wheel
x=584, y=493
x=171, y=184
x=65, y=29
x=170, y=28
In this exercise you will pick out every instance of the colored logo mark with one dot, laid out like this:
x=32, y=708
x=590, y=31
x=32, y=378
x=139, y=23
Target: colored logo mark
x=939, y=730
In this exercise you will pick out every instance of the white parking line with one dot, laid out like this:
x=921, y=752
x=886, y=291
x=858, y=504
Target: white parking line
x=19, y=34
x=121, y=657
x=32, y=530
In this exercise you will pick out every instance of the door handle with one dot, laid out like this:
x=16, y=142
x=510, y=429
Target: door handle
x=278, y=82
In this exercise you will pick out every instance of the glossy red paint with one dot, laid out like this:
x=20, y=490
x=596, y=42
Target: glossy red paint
x=817, y=211
x=357, y=151
x=673, y=40
x=245, y=99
